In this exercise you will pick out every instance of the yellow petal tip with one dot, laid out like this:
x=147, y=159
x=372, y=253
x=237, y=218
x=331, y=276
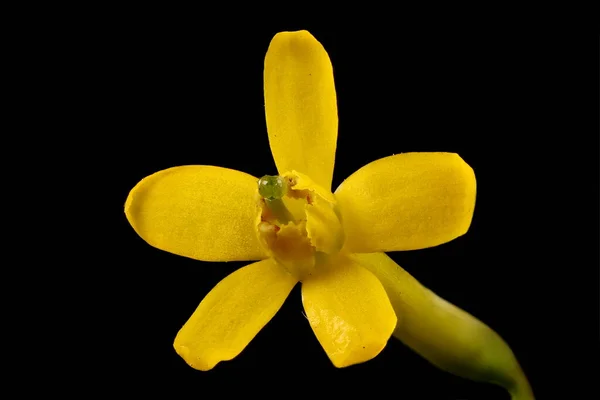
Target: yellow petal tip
x=186, y=353
x=370, y=349
x=183, y=351
x=298, y=41
x=360, y=355
x=130, y=208
x=301, y=34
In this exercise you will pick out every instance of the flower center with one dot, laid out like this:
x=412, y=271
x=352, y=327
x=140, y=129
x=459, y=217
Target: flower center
x=299, y=223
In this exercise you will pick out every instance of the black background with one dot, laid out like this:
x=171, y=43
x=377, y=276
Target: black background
x=167, y=91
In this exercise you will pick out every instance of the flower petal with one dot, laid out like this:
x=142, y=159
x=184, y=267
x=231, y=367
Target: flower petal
x=300, y=106
x=408, y=201
x=445, y=335
x=197, y=211
x=233, y=313
x=349, y=311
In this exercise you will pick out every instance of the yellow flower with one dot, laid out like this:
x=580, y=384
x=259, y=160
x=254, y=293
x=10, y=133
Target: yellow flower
x=355, y=297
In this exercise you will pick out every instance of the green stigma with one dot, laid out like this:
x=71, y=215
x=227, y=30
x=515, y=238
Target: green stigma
x=272, y=187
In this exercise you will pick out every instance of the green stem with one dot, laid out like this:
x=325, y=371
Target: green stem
x=522, y=389
x=279, y=210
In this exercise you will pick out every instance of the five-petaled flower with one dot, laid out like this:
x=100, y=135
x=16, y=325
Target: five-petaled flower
x=354, y=295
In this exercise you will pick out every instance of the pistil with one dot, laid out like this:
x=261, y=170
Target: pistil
x=279, y=211
x=273, y=189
